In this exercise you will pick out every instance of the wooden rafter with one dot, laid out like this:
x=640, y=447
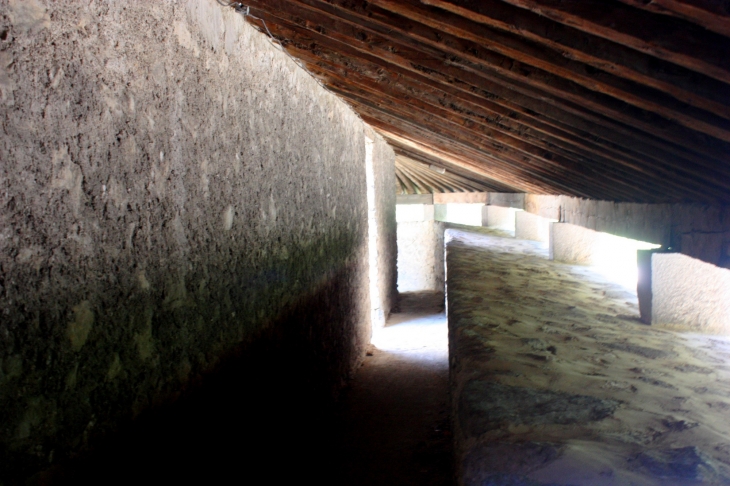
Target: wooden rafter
x=512, y=95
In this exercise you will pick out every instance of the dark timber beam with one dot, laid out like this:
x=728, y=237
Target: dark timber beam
x=415, y=109
x=594, y=179
x=711, y=14
x=337, y=69
x=591, y=60
x=622, y=137
x=493, y=77
x=667, y=38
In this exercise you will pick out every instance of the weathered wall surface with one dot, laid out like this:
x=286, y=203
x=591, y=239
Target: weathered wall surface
x=171, y=184
x=499, y=217
x=698, y=231
x=420, y=256
x=689, y=295
x=529, y=226
x=387, y=251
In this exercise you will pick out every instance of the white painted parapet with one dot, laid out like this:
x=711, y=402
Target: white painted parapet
x=689, y=294
x=499, y=217
x=530, y=226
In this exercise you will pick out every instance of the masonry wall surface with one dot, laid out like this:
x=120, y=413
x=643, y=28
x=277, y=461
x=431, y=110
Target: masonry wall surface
x=689, y=295
x=171, y=186
x=499, y=217
x=385, y=202
x=420, y=256
x=699, y=231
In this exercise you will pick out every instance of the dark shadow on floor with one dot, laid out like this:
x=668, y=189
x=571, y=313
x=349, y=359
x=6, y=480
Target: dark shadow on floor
x=395, y=415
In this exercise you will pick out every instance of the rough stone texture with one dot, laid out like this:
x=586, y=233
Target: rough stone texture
x=572, y=244
x=554, y=381
x=461, y=198
x=702, y=232
x=499, y=217
x=171, y=186
x=688, y=294
x=507, y=200
x=414, y=199
x=387, y=228
x=529, y=226
x=420, y=256
x=459, y=213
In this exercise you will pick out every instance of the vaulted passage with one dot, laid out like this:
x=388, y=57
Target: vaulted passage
x=217, y=218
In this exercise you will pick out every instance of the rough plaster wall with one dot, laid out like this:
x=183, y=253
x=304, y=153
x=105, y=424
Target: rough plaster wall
x=529, y=226
x=384, y=167
x=507, y=200
x=571, y=243
x=499, y=217
x=699, y=231
x=689, y=295
x=420, y=256
x=460, y=198
x=171, y=184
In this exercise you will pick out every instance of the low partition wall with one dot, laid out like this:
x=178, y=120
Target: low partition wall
x=469, y=214
x=420, y=249
x=688, y=294
x=612, y=255
x=499, y=217
x=529, y=226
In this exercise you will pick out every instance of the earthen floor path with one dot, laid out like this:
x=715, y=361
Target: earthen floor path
x=395, y=415
x=556, y=382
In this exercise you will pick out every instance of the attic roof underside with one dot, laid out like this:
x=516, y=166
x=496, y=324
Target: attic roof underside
x=623, y=100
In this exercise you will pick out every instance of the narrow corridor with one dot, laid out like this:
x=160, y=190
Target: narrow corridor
x=395, y=413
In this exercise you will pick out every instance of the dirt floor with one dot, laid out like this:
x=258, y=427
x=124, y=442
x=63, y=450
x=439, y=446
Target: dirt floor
x=555, y=381
x=395, y=413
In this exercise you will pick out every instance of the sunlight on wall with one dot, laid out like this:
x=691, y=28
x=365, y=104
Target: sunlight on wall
x=615, y=257
x=405, y=213
x=459, y=213
x=377, y=316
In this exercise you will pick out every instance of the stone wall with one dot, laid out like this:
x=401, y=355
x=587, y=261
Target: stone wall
x=420, y=256
x=387, y=252
x=172, y=188
x=699, y=231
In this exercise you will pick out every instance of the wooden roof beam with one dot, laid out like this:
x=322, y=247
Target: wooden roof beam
x=709, y=117
x=351, y=81
x=682, y=83
x=388, y=50
x=606, y=180
x=670, y=39
x=710, y=14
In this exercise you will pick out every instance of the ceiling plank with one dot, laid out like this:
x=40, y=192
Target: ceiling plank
x=594, y=179
x=710, y=118
x=422, y=59
x=348, y=80
x=670, y=39
x=710, y=14
x=682, y=83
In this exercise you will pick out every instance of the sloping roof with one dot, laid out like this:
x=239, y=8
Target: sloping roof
x=624, y=100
